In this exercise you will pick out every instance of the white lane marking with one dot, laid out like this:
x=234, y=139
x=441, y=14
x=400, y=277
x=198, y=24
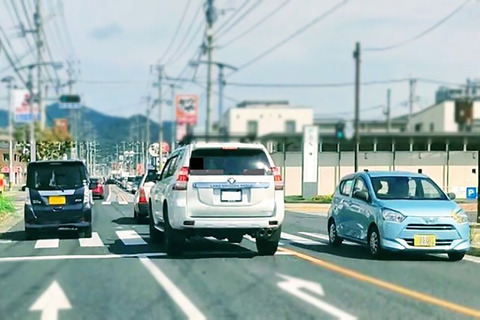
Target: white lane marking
x=47, y=243
x=5, y=241
x=130, y=237
x=82, y=257
x=51, y=301
x=123, y=203
x=108, y=201
x=325, y=237
x=299, y=288
x=283, y=253
x=297, y=239
x=472, y=258
x=94, y=241
x=180, y=299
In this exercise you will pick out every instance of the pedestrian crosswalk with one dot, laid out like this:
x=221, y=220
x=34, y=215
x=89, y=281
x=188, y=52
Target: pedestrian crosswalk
x=127, y=238
x=94, y=241
x=130, y=237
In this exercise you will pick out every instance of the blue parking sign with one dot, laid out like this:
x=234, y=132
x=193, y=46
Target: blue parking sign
x=471, y=193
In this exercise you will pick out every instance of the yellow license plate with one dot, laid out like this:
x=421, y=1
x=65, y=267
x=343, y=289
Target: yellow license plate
x=57, y=200
x=424, y=240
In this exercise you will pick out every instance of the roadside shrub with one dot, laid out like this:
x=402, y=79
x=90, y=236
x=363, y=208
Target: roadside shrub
x=323, y=199
x=6, y=205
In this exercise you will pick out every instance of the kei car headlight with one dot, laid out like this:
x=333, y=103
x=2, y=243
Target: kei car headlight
x=460, y=216
x=393, y=216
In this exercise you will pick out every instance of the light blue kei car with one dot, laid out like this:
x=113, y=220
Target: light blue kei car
x=398, y=211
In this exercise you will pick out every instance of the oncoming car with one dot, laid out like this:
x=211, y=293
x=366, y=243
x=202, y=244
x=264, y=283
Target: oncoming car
x=57, y=195
x=398, y=211
x=224, y=190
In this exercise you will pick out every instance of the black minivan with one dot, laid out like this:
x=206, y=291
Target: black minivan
x=57, y=195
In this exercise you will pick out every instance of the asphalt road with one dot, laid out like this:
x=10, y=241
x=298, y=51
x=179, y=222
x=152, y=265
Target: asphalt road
x=118, y=274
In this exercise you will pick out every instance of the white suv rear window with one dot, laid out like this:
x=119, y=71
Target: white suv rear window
x=215, y=161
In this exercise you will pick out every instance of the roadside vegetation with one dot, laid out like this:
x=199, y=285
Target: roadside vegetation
x=315, y=199
x=6, y=207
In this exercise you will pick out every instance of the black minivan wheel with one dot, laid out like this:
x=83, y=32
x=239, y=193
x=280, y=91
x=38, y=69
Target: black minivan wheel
x=86, y=232
x=31, y=233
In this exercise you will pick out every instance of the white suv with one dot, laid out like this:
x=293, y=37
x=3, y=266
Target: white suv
x=224, y=190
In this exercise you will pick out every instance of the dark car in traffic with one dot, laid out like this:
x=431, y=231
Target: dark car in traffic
x=57, y=196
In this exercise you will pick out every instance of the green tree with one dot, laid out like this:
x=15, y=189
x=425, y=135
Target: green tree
x=51, y=144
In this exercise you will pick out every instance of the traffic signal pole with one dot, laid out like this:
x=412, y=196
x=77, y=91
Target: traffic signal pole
x=356, y=56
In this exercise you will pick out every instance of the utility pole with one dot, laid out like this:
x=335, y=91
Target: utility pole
x=38, y=33
x=33, y=149
x=173, y=130
x=356, y=56
x=160, y=119
x=412, y=83
x=388, y=112
x=211, y=16
x=8, y=80
x=147, y=128
x=73, y=115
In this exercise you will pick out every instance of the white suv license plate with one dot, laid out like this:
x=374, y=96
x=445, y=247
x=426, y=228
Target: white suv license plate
x=231, y=195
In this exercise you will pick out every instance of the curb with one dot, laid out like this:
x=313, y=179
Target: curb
x=15, y=217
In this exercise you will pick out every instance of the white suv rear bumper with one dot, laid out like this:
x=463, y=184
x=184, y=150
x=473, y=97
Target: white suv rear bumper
x=180, y=219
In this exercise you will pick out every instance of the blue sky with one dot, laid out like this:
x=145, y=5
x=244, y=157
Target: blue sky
x=119, y=41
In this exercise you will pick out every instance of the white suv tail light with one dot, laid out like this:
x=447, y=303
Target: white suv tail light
x=277, y=177
x=182, y=179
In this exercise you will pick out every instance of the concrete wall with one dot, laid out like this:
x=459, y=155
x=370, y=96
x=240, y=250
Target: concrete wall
x=453, y=171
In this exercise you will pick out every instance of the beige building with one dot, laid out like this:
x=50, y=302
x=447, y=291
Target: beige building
x=260, y=118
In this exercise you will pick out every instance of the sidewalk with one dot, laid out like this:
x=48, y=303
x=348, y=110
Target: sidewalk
x=12, y=219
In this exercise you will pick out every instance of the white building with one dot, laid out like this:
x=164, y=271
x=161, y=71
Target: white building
x=447, y=116
x=260, y=118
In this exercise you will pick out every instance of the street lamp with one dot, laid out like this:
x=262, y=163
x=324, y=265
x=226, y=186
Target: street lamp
x=11, y=175
x=55, y=65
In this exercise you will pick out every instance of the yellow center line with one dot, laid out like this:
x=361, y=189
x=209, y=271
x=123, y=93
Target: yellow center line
x=386, y=285
x=119, y=194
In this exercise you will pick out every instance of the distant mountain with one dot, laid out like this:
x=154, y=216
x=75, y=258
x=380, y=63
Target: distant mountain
x=105, y=129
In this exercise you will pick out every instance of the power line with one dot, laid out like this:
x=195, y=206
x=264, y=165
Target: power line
x=313, y=85
x=12, y=63
x=239, y=19
x=175, y=57
x=421, y=34
x=440, y=82
x=167, y=51
x=256, y=25
x=292, y=36
x=223, y=25
x=350, y=112
x=65, y=28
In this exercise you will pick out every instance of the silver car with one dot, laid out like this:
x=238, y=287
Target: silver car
x=141, y=208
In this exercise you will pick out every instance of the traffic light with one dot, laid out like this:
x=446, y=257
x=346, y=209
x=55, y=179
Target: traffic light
x=340, y=130
x=70, y=98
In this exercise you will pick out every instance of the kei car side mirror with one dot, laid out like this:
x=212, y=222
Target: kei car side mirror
x=451, y=195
